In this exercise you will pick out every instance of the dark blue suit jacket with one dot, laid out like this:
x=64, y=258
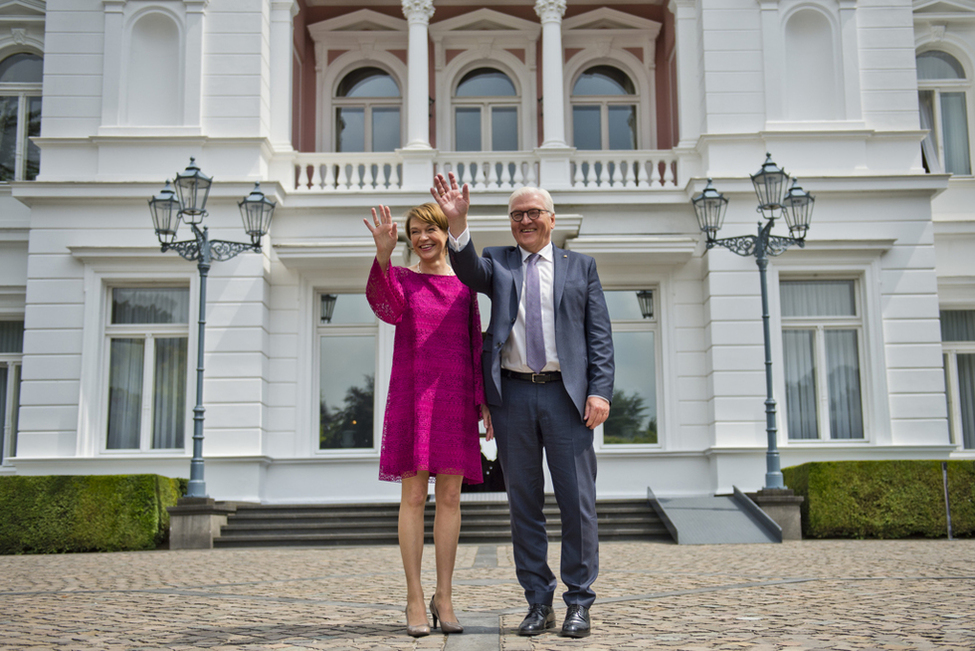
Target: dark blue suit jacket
x=583, y=334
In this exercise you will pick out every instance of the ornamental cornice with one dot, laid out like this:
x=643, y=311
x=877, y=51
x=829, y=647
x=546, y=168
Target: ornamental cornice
x=418, y=10
x=550, y=10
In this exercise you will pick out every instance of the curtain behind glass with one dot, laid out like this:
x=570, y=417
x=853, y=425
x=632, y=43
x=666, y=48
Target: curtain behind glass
x=954, y=123
x=843, y=362
x=800, y=383
x=966, y=398
x=958, y=325
x=3, y=411
x=156, y=305
x=928, y=146
x=125, y=393
x=8, y=137
x=169, y=393
x=33, y=163
x=817, y=298
x=11, y=336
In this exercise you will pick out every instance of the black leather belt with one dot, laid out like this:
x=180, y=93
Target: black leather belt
x=534, y=378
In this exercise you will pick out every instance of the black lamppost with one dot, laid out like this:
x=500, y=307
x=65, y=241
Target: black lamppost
x=796, y=206
x=188, y=205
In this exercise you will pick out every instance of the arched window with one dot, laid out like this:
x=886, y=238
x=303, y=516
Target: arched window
x=486, y=112
x=943, y=89
x=20, y=116
x=367, y=111
x=604, y=109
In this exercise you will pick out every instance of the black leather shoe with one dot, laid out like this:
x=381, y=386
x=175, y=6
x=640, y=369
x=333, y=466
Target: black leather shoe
x=576, y=622
x=539, y=618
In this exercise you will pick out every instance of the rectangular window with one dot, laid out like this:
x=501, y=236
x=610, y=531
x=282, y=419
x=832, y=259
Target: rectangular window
x=385, y=128
x=504, y=128
x=586, y=127
x=821, y=330
x=350, y=129
x=633, y=417
x=622, y=127
x=11, y=349
x=467, y=127
x=147, y=368
x=347, y=367
x=20, y=119
x=958, y=342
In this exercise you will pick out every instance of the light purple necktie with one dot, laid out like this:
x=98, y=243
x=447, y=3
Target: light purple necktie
x=533, y=317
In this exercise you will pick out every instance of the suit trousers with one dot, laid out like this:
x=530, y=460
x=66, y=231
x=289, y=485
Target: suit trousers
x=533, y=418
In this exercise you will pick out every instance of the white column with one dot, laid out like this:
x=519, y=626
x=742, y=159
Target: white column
x=418, y=14
x=282, y=47
x=553, y=97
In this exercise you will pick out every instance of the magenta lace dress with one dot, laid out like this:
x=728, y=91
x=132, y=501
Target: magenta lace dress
x=436, y=387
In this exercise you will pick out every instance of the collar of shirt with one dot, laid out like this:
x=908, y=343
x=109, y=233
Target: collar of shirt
x=546, y=253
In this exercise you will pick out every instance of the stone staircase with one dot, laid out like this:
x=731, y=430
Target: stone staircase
x=256, y=525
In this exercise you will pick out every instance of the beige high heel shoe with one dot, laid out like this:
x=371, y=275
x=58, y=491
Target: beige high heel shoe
x=419, y=630
x=446, y=627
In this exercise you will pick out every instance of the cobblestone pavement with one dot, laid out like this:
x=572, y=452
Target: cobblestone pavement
x=837, y=595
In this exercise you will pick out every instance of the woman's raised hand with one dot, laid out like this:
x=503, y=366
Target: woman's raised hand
x=454, y=201
x=383, y=230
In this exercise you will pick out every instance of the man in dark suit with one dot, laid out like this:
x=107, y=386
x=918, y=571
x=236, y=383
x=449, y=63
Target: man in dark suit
x=548, y=378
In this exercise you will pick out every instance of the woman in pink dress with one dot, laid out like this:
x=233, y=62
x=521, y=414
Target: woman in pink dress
x=436, y=397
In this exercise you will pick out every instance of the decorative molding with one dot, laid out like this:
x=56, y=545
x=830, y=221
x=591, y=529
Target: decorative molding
x=418, y=11
x=550, y=10
x=19, y=35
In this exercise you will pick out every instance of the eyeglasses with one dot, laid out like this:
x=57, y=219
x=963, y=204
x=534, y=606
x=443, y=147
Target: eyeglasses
x=533, y=214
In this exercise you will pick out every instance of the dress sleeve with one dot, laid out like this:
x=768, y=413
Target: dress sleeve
x=476, y=345
x=385, y=293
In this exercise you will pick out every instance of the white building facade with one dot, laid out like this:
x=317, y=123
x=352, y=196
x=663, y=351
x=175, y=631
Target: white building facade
x=622, y=111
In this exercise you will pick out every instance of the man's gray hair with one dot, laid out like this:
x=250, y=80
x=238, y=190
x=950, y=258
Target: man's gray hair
x=541, y=192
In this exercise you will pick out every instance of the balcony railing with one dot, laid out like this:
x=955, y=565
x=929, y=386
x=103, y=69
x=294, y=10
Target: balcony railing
x=645, y=170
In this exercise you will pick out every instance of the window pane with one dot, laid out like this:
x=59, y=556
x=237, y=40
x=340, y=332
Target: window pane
x=633, y=418
x=467, y=126
x=818, y=298
x=367, y=82
x=125, y=393
x=352, y=309
x=939, y=65
x=3, y=411
x=966, y=395
x=11, y=336
x=157, y=305
x=622, y=127
x=347, y=389
x=169, y=393
x=504, y=128
x=385, y=129
x=485, y=82
x=8, y=137
x=800, y=383
x=604, y=80
x=22, y=68
x=33, y=130
x=958, y=325
x=586, y=130
x=842, y=358
x=350, y=129
x=623, y=306
x=954, y=122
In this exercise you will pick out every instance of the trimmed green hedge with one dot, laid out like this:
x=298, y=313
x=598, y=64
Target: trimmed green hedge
x=883, y=499
x=85, y=513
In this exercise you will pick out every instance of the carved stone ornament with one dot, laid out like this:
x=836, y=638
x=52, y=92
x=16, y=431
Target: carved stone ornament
x=418, y=10
x=938, y=32
x=19, y=35
x=550, y=9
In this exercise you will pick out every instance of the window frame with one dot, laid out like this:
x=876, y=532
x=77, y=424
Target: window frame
x=13, y=363
x=486, y=103
x=367, y=104
x=655, y=326
x=604, y=102
x=23, y=92
x=380, y=378
x=149, y=332
x=820, y=324
x=950, y=351
x=939, y=86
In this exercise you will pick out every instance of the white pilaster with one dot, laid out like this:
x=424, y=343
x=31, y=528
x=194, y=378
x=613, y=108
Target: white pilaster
x=418, y=14
x=112, y=61
x=282, y=13
x=193, y=67
x=553, y=103
x=690, y=71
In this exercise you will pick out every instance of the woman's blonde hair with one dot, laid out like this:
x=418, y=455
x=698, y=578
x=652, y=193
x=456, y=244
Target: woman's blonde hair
x=429, y=213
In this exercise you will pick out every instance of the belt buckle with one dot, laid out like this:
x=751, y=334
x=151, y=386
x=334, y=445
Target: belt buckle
x=539, y=375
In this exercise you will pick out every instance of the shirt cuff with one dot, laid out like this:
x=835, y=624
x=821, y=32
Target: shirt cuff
x=458, y=243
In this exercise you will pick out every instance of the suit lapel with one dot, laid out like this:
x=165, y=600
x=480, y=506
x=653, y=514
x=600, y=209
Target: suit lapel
x=560, y=261
x=517, y=276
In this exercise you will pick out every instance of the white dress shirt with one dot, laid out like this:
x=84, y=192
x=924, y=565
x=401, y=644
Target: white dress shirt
x=514, y=355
